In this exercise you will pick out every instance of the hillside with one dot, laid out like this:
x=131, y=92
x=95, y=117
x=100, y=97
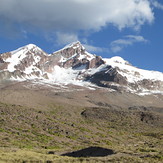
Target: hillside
x=38, y=121
x=73, y=106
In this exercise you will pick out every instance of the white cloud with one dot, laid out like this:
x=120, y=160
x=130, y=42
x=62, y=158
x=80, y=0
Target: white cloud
x=157, y=5
x=76, y=15
x=94, y=49
x=135, y=38
x=128, y=40
x=66, y=38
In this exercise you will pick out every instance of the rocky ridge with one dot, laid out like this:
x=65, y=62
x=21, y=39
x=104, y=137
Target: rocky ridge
x=74, y=65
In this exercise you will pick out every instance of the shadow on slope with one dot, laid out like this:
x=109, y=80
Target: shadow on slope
x=90, y=152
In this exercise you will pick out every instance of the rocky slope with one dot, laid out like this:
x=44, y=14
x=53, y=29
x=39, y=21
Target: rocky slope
x=74, y=65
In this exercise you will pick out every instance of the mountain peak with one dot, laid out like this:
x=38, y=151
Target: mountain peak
x=26, y=48
x=71, y=50
x=30, y=46
x=120, y=60
x=75, y=45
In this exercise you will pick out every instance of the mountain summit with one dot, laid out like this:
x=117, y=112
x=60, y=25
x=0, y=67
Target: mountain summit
x=74, y=65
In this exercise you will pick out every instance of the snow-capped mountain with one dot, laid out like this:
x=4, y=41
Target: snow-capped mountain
x=74, y=65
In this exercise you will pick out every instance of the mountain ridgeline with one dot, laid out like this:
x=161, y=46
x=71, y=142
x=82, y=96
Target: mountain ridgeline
x=74, y=65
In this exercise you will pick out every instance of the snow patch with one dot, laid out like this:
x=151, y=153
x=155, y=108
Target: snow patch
x=132, y=73
x=68, y=76
x=16, y=57
x=147, y=92
x=32, y=69
x=37, y=59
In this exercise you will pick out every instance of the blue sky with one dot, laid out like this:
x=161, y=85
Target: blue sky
x=132, y=29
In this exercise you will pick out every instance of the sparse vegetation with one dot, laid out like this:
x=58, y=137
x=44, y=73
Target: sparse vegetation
x=40, y=127
x=28, y=134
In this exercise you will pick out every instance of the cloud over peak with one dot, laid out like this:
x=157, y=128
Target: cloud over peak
x=75, y=15
x=128, y=40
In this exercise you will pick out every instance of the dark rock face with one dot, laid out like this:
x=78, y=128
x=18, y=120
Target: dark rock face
x=3, y=65
x=1, y=60
x=95, y=62
x=103, y=78
x=149, y=84
x=4, y=56
x=74, y=62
